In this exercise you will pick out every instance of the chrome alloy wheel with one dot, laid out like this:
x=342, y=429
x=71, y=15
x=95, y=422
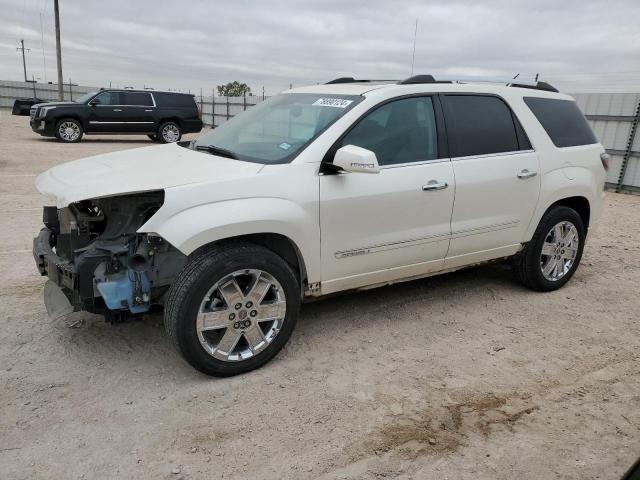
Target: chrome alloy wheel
x=559, y=251
x=241, y=315
x=69, y=131
x=170, y=133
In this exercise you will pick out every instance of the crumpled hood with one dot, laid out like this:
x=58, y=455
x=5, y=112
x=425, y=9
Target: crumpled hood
x=137, y=170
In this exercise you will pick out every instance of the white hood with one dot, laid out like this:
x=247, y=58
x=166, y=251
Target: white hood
x=137, y=170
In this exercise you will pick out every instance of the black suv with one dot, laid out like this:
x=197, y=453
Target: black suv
x=162, y=116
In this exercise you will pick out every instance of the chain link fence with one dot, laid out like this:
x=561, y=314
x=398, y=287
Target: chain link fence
x=614, y=118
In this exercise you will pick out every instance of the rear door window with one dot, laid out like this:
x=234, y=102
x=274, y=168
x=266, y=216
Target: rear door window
x=480, y=125
x=562, y=120
x=140, y=99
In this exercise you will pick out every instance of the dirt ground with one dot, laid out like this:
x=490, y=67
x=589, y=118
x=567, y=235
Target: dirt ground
x=462, y=376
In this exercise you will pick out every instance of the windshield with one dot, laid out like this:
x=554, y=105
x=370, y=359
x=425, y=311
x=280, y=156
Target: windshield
x=278, y=129
x=85, y=98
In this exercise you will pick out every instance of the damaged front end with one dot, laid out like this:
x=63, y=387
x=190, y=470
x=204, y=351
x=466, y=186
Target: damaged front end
x=92, y=252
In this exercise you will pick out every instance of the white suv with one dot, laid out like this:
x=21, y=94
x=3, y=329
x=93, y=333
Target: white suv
x=322, y=189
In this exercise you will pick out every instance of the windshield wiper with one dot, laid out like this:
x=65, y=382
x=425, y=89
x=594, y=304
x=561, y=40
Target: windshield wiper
x=223, y=152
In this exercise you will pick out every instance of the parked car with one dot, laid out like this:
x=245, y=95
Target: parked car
x=22, y=106
x=162, y=116
x=323, y=189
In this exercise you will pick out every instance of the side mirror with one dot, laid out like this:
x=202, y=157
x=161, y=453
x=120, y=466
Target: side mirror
x=93, y=103
x=355, y=159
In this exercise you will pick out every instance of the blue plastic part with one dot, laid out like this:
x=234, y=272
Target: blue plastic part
x=118, y=291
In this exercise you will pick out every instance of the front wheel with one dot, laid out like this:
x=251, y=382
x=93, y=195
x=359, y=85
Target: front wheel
x=69, y=130
x=232, y=308
x=552, y=256
x=169, y=132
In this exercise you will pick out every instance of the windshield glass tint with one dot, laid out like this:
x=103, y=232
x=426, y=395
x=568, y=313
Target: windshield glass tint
x=85, y=98
x=276, y=130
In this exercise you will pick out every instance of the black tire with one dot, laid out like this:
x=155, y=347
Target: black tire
x=528, y=264
x=174, y=127
x=153, y=137
x=76, y=125
x=206, y=267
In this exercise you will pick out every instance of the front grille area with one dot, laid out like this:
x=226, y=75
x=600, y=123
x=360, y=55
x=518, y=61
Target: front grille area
x=32, y=112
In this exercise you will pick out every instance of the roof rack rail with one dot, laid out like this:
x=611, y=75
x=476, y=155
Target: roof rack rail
x=353, y=80
x=547, y=87
x=534, y=84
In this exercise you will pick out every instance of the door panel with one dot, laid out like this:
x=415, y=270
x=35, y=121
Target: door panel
x=493, y=205
x=497, y=182
x=377, y=228
x=138, y=112
x=105, y=113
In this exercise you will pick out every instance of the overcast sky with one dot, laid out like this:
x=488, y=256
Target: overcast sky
x=580, y=45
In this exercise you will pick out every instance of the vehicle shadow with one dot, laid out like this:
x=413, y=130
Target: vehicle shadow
x=144, y=343
x=359, y=308
x=134, y=139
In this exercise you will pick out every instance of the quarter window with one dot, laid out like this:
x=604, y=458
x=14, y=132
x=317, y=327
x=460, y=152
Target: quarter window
x=137, y=99
x=398, y=132
x=562, y=120
x=479, y=125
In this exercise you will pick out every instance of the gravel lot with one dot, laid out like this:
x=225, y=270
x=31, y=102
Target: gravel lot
x=466, y=375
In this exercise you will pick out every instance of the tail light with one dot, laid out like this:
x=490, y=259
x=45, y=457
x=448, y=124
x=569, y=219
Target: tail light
x=199, y=107
x=604, y=158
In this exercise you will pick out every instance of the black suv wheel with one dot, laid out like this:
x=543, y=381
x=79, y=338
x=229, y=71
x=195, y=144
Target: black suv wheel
x=232, y=308
x=169, y=132
x=69, y=130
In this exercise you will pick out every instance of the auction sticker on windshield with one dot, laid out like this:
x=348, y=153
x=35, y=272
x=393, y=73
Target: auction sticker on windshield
x=332, y=102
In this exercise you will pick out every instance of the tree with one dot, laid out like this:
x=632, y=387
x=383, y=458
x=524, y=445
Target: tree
x=234, y=89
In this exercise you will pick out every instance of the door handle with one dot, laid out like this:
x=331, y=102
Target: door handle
x=148, y=110
x=434, y=185
x=117, y=109
x=526, y=174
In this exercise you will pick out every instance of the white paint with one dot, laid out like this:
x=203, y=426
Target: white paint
x=354, y=230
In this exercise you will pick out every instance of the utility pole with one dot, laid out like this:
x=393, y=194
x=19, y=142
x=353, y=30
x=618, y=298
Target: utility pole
x=58, y=50
x=24, y=62
x=44, y=59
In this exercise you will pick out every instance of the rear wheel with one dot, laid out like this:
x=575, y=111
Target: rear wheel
x=69, y=130
x=232, y=308
x=552, y=256
x=169, y=132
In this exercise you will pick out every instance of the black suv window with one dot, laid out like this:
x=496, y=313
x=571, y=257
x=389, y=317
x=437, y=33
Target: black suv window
x=107, y=98
x=137, y=99
x=398, y=132
x=174, y=100
x=480, y=125
x=562, y=120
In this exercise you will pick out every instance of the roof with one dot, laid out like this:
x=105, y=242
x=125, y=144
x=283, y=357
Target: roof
x=146, y=90
x=467, y=85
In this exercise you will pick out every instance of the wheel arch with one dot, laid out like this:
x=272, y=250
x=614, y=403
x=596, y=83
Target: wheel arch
x=73, y=116
x=170, y=118
x=279, y=244
x=578, y=203
x=576, y=188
